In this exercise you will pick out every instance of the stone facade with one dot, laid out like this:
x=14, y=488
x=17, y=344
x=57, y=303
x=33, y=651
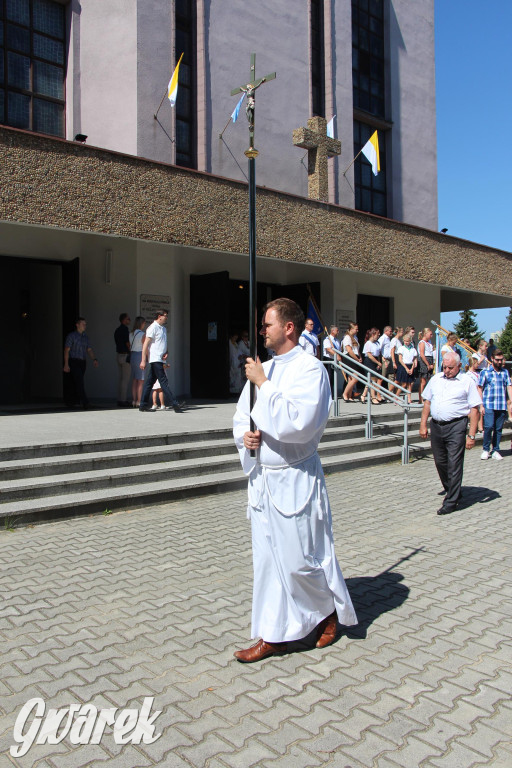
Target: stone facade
x=61, y=184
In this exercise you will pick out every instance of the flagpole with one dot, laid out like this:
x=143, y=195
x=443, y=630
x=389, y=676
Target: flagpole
x=353, y=161
x=158, y=110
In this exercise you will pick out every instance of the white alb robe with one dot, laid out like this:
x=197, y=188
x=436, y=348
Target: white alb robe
x=297, y=579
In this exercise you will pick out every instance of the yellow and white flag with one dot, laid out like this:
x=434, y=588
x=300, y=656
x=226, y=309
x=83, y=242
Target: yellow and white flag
x=371, y=152
x=172, y=88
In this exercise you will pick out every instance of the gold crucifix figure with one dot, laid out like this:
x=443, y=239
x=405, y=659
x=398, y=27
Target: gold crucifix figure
x=250, y=91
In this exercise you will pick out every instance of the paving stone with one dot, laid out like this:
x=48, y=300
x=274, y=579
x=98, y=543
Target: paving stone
x=153, y=602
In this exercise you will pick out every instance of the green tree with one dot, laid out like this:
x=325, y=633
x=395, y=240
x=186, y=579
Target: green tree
x=505, y=342
x=467, y=327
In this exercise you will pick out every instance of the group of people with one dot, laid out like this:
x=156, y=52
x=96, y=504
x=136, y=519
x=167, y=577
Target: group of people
x=141, y=357
x=298, y=591
x=390, y=355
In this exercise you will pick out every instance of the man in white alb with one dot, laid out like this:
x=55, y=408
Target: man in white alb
x=298, y=585
x=309, y=340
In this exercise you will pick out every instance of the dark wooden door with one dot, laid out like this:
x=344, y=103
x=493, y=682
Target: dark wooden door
x=209, y=351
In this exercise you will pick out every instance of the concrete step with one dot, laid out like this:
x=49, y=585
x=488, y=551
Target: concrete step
x=163, y=468
x=114, y=457
x=141, y=494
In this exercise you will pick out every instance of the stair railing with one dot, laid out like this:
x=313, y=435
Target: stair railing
x=364, y=375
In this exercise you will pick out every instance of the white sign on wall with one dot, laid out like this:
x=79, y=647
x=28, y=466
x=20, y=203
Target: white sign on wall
x=150, y=304
x=343, y=318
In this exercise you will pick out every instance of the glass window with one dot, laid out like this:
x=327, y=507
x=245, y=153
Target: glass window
x=32, y=65
x=46, y=48
x=18, y=107
x=48, y=117
x=18, y=70
x=185, y=103
x=317, y=58
x=49, y=18
x=18, y=38
x=368, y=55
x=18, y=10
x=48, y=80
x=370, y=189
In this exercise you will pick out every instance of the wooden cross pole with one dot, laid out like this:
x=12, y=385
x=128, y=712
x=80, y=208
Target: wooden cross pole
x=252, y=153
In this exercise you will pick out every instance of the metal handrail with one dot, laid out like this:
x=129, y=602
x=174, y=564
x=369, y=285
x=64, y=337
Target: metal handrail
x=389, y=396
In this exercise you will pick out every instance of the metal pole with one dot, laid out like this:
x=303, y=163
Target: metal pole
x=253, y=346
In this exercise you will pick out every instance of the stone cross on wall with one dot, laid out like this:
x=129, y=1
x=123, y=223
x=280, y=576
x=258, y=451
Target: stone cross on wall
x=314, y=138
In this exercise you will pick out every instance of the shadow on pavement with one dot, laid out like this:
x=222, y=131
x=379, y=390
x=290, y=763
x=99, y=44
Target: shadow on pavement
x=476, y=494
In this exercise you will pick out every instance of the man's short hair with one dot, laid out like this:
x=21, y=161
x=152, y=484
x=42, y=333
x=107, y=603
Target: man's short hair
x=80, y=320
x=333, y=327
x=288, y=311
x=497, y=353
x=386, y=328
x=160, y=313
x=123, y=316
x=455, y=355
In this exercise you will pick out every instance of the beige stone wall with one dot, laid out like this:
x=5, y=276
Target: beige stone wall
x=61, y=184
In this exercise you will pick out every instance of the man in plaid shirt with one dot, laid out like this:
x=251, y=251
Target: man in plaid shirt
x=494, y=385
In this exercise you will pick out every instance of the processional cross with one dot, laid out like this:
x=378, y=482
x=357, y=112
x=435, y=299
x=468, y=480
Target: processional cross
x=320, y=147
x=252, y=153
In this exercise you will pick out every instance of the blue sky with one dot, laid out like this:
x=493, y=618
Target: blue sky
x=474, y=115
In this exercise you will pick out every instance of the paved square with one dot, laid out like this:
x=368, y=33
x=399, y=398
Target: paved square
x=111, y=609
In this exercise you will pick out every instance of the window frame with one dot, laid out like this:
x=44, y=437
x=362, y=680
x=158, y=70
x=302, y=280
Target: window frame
x=31, y=93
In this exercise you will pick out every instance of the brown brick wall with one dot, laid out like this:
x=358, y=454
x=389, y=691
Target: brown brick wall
x=63, y=184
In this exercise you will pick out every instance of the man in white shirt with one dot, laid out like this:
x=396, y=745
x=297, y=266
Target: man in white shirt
x=385, y=350
x=451, y=399
x=309, y=340
x=154, y=353
x=298, y=585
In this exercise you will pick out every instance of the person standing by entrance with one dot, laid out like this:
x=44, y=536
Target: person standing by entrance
x=331, y=345
x=309, y=340
x=494, y=386
x=122, y=341
x=76, y=349
x=154, y=354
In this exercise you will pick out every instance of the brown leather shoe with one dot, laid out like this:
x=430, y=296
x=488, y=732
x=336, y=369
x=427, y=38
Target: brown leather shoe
x=259, y=651
x=326, y=631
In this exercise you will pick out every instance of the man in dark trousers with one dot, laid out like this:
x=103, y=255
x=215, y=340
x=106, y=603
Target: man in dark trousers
x=451, y=399
x=154, y=355
x=76, y=349
x=122, y=340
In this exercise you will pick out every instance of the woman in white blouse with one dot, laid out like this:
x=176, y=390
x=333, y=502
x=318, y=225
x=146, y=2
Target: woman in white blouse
x=350, y=346
x=372, y=360
x=396, y=342
x=426, y=359
x=408, y=358
x=137, y=337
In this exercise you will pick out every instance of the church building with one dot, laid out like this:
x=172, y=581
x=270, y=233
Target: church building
x=115, y=201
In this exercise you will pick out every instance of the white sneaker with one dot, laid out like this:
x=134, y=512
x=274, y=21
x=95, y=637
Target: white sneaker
x=497, y=455
x=484, y=455
x=153, y=408
x=161, y=408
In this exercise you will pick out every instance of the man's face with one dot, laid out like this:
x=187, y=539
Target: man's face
x=334, y=332
x=498, y=362
x=388, y=332
x=162, y=319
x=309, y=325
x=273, y=331
x=451, y=368
x=126, y=321
x=412, y=332
x=81, y=326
